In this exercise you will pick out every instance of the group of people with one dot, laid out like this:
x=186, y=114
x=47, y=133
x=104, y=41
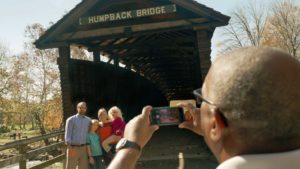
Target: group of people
x=86, y=138
x=249, y=115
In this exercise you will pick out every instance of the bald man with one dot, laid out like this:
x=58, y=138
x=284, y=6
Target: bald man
x=75, y=137
x=250, y=113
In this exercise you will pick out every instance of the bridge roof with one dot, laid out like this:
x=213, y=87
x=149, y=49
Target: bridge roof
x=157, y=38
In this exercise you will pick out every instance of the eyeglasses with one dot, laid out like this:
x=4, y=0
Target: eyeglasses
x=199, y=98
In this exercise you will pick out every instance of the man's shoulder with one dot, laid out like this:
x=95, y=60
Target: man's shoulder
x=75, y=116
x=71, y=117
x=87, y=118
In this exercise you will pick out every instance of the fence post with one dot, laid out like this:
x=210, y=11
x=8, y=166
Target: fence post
x=22, y=162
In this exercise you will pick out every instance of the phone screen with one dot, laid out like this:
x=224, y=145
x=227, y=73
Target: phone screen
x=163, y=116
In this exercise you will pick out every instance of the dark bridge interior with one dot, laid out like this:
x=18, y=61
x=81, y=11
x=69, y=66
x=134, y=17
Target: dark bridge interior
x=168, y=59
x=105, y=85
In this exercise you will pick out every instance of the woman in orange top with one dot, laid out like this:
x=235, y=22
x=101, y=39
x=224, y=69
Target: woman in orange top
x=105, y=125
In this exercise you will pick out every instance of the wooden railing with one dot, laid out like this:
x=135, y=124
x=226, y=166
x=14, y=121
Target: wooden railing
x=24, y=154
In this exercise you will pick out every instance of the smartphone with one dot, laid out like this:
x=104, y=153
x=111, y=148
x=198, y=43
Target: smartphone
x=164, y=116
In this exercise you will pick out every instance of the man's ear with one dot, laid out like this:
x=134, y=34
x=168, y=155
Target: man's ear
x=219, y=123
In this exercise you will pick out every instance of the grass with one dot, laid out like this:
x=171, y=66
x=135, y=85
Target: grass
x=5, y=137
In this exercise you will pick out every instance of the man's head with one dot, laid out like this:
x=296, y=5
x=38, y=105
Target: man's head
x=81, y=108
x=257, y=97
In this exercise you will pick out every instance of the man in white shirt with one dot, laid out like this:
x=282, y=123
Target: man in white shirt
x=249, y=115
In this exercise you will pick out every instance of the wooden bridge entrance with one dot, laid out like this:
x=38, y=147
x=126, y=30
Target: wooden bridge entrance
x=164, y=46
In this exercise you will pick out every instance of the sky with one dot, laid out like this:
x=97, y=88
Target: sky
x=15, y=15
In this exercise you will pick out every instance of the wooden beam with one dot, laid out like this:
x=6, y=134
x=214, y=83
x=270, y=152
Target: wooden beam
x=116, y=60
x=49, y=162
x=204, y=51
x=15, y=144
x=10, y=161
x=66, y=84
x=96, y=56
x=51, y=45
x=119, y=31
x=146, y=44
x=158, y=54
x=45, y=149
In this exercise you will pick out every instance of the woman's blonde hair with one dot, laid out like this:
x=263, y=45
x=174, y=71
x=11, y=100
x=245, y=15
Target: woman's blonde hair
x=100, y=111
x=115, y=109
x=93, y=121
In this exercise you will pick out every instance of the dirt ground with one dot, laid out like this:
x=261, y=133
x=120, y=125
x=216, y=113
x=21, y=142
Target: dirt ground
x=172, y=164
x=173, y=148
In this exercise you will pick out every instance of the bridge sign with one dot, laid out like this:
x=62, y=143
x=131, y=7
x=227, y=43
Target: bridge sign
x=123, y=15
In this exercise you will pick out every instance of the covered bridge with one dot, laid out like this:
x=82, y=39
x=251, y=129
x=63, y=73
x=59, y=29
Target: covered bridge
x=164, y=47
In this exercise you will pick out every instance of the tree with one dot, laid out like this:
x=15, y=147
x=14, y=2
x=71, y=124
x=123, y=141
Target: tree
x=256, y=25
x=283, y=28
x=30, y=84
x=246, y=26
x=21, y=91
x=44, y=72
x=4, y=71
x=77, y=52
x=5, y=85
x=53, y=115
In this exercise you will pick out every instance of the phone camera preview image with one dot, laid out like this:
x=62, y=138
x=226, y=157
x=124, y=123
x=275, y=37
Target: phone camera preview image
x=163, y=116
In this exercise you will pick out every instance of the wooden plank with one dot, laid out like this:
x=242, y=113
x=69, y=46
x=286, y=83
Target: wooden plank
x=134, y=28
x=96, y=56
x=65, y=67
x=45, y=149
x=127, y=15
x=49, y=162
x=204, y=52
x=145, y=44
x=121, y=35
x=23, y=160
x=165, y=60
x=158, y=55
x=10, y=161
x=51, y=45
x=16, y=144
x=159, y=43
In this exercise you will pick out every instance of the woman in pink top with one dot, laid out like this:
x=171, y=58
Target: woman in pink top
x=118, y=126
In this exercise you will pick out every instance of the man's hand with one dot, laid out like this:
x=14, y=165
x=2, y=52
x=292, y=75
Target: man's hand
x=193, y=121
x=139, y=129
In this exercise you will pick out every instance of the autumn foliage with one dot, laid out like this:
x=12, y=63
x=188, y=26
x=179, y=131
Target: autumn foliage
x=53, y=114
x=256, y=23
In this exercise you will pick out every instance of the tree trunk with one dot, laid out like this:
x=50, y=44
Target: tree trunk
x=24, y=123
x=20, y=121
x=41, y=127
